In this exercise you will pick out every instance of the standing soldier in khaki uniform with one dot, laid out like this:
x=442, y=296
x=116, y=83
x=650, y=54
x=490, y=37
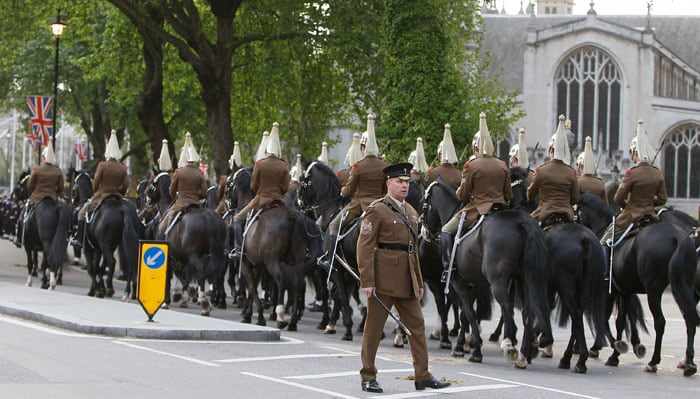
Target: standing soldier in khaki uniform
x=188, y=185
x=111, y=178
x=555, y=182
x=389, y=268
x=486, y=179
x=642, y=188
x=366, y=183
x=270, y=181
x=45, y=180
x=447, y=156
x=588, y=182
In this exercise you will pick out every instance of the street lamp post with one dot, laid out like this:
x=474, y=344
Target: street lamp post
x=57, y=29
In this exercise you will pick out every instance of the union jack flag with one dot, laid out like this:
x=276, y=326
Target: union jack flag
x=80, y=150
x=204, y=168
x=40, y=118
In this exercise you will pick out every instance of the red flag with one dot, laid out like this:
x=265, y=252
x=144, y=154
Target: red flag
x=80, y=150
x=204, y=168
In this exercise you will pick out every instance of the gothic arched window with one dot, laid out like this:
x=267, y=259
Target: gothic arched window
x=588, y=84
x=681, y=160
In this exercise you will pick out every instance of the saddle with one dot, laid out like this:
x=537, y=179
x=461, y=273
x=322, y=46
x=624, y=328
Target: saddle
x=271, y=205
x=555, y=219
x=637, y=226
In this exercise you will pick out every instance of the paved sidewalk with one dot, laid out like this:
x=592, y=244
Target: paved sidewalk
x=117, y=319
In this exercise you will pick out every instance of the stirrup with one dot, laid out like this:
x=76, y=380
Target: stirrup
x=443, y=277
x=235, y=254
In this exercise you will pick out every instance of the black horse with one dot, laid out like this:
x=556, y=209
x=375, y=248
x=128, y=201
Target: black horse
x=440, y=203
x=508, y=254
x=647, y=262
x=196, y=245
x=81, y=192
x=112, y=225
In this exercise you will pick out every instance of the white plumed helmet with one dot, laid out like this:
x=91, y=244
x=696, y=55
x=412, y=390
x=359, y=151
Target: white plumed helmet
x=448, y=153
x=420, y=164
x=297, y=170
x=371, y=147
x=561, y=144
x=112, y=150
x=260, y=154
x=354, y=152
x=640, y=143
x=324, y=153
x=235, y=159
x=164, y=162
x=273, y=142
x=485, y=145
x=588, y=158
x=523, y=161
x=48, y=153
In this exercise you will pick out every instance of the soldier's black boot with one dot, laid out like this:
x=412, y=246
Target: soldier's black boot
x=606, y=255
x=325, y=261
x=446, y=242
x=236, y=252
x=77, y=240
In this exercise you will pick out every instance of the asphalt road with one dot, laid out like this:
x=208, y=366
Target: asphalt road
x=39, y=361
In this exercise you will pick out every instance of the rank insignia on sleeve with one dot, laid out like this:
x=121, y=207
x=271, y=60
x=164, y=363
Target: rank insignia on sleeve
x=366, y=228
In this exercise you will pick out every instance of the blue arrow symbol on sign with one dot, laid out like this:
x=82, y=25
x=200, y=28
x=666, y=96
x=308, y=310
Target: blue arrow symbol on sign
x=151, y=260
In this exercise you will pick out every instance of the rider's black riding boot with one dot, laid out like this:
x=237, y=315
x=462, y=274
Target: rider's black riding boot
x=446, y=242
x=238, y=241
x=77, y=241
x=325, y=261
x=606, y=255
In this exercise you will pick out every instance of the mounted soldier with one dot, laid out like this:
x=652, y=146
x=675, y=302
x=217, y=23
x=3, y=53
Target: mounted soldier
x=188, y=186
x=642, y=188
x=111, y=179
x=45, y=180
x=234, y=163
x=518, y=154
x=365, y=184
x=269, y=182
x=555, y=183
x=447, y=157
x=588, y=182
x=486, y=180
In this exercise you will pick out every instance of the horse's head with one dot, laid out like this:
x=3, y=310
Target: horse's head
x=21, y=191
x=319, y=190
x=519, y=180
x=594, y=213
x=439, y=204
x=158, y=189
x=238, y=192
x=415, y=195
x=82, y=188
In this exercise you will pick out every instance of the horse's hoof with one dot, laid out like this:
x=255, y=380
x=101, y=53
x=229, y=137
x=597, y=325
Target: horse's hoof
x=475, y=359
x=183, y=304
x=360, y=329
x=580, y=369
x=261, y=322
x=59, y=281
x=100, y=294
x=639, y=350
x=434, y=336
x=347, y=337
x=456, y=353
x=329, y=329
x=165, y=306
x=282, y=324
x=206, y=312
x=177, y=297
x=494, y=337
x=564, y=365
x=511, y=354
x=246, y=320
x=650, y=368
x=446, y=345
x=398, y=345
x=613, y=362
x=521, y=363
x=547, y=353
x=109, y=293
x=593, y=354
x=28, y=284
x=688, y=369
x=91, y=293
x=621, y=346
x=292, y=327
x=454, y=332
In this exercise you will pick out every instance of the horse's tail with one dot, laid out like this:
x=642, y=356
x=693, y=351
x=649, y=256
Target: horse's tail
x=681, y=274
x=129, y=241
x=484, y=303
x=592, y=286
x=58, y=253
x=635, y=311
x=311, y=233
x=217, y=236
x=535, y=266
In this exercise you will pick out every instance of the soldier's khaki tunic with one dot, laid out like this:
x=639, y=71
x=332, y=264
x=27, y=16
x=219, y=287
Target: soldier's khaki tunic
x=594, y=185
x=557, y=187
x=487, y=180
x=189, y=185
x=396, y=275
x=448, y=173
x=46, y=180
x=642, y=189
x=269, y=182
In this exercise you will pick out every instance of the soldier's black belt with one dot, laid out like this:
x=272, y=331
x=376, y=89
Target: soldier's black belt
x=396, y=247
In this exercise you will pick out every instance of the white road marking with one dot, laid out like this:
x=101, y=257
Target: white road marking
x=452, y=389
x=47, y=329
x=283, y=341
x=341, y=374
x=285, y=357
x=532, y=386
x=189, y=359
x=294, y=384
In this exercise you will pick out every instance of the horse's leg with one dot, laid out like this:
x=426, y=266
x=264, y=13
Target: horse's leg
x=619, y=346
x=497, y=331
x=578, y=332
x=345, y=293
x=500, y=293
x=110, y=263
x=654, y=301
x=91, y=269
x=31, y=266
x=335, y=311
x=594, y=351
x=443, y=312
x=198, y=265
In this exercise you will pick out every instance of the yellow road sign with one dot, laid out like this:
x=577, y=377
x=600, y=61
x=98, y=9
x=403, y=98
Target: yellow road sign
x=153, y=265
